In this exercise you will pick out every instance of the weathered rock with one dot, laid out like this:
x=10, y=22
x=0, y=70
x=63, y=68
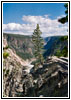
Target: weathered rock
x=49, y=80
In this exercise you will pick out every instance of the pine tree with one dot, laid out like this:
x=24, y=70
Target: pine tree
x=63, y=20
x=38, y=45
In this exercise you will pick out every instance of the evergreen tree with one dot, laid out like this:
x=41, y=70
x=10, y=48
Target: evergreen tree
x=38, y=45
x=63, y=20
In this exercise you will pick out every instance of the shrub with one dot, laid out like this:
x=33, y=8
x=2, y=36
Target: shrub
x=58, y=53
x=6, y=47
x=65, y=51
x=5, y=54
x=35, y=62
x=4, y=70
x=24, y=55
x=7, y=72
x=64, y=38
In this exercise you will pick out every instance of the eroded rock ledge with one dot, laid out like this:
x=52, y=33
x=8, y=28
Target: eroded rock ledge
x=49, y=80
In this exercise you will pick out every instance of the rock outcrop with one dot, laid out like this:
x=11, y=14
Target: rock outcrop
x=49, y=80
x=21, y=44
x=13, y=67
x=52, y=80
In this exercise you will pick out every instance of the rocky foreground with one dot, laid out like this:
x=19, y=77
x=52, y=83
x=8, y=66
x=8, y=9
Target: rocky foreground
x=21, y=80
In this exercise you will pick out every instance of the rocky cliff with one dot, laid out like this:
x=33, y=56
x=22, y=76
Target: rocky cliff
x=21, y=44
x=24, y=47
x=48, y=80
x=13, y=67
x=56, y=45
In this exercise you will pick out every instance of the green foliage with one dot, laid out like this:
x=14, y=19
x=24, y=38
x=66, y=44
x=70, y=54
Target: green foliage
x=64, y=38
x=4, y=70
x=58, y=53
x=24, y=55
x=5, y=55
x=63, y=53
x=6, y=47
x=56, y=93
x=36, y=62
x=66, y=6
x=7, y=73
x=64, y=19
x=21, y=44
x=38, y=44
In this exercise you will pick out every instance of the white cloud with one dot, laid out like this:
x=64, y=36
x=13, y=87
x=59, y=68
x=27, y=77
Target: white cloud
x=61, y=16
x=48, y=26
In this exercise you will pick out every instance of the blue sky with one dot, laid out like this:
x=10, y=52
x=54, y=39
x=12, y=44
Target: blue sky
x=22, y=18
x=13, y=12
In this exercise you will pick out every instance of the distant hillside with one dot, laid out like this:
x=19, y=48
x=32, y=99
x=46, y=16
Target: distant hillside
x=21, y=44
x=56, y=45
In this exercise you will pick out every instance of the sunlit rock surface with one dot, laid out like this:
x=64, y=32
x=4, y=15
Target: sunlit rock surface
x=49, y=80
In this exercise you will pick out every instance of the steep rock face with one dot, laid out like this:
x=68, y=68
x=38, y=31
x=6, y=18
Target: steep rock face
x=21, y=44
x=52, y=79
x=54, y=44
x=11, y=70
x=24, y=47
x=49, y=80
x=13, y=67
